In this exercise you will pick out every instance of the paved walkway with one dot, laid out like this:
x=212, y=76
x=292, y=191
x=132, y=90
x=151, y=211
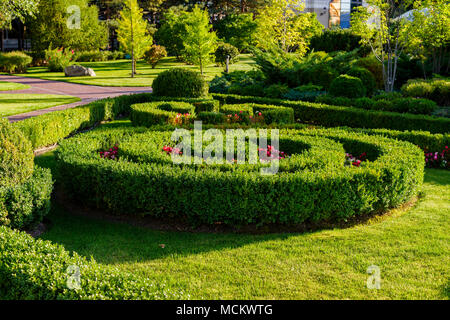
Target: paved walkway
x=86, y=93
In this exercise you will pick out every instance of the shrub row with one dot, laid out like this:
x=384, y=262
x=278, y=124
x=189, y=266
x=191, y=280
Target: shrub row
x=14, y=62
x=152, y=184
x=402, y=105
x=332, y=116
x=437, y=90
x=97, y=55
x=52, y=127
x=39, y=270
x=153, y=113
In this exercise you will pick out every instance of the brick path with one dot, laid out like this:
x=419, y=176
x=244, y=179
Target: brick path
x=86, y=93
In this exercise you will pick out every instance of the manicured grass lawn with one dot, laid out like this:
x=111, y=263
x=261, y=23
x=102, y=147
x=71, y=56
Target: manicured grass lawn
x=117, y=73
x=410, y=247
x=11, y=104
x=9, y=86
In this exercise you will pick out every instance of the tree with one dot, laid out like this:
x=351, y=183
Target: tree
x=199, y=42
x=381, y=29
x=428, y=32
x=69, y=24
x=171, y=32
x=132, y=32
x=281, y=25
x=238, y=30
x=11, y=9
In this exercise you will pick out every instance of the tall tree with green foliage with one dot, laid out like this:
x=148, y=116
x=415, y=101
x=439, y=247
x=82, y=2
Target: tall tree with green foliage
x=428, y=32
x=200, y=42
x=69, y=24
x=12, y=9
x=282, y=25
x=381, y=28
x=238, y=30
x=172, y=31
x=132, y=32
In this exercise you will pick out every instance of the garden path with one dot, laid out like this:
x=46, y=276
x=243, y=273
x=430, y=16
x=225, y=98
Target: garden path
x=86, y=93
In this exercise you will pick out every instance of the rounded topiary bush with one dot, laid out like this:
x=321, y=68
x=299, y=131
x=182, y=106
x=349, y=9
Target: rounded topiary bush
x=16, y=155
x=180, y=82
x=366, y=77
x=347, y=86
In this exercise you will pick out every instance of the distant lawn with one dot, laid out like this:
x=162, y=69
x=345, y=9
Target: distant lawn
x=11, y=104
x=9, y=86
x=410, y=247
x=117, y=73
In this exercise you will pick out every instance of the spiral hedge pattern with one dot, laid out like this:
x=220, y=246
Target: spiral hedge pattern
x=312, y=185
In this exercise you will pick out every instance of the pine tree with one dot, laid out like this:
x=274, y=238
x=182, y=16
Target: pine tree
x=132, y=32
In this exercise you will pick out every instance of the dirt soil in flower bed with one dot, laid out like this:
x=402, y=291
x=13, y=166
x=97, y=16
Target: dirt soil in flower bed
x=170, y=224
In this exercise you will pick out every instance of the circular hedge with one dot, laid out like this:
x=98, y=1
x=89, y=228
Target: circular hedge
x=312, y=184
x=16, y=155
x=180, y=82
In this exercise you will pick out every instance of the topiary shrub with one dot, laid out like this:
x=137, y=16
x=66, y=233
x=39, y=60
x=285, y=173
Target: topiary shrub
x=223, y=51
x=320, y=74
x=16, y=155
x=366, y=77
x=374, y=66
x=347, y=86
x=437, y=90
x=180, y=82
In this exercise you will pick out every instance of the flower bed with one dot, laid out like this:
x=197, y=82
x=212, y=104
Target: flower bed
x=312, y=184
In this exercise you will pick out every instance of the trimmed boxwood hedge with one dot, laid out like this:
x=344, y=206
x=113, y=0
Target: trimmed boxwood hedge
x=24, y=205
x=153, y=113
x=38, y=270
x=333, y=116
x=52, y=127
x=209, y=195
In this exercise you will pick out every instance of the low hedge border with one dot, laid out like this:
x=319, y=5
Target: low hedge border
x=38, y=270
x=51, y=128
x=24, y=205
x=334, y=116
x=154, y=113
x=210, y=196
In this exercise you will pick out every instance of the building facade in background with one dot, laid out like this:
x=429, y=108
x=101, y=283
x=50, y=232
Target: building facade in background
x=333, y=12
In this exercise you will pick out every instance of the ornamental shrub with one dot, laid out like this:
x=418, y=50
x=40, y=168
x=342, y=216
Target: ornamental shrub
x=180, y=82
x=14, y=62
x=223, y=51
x=154, y=55
x=219, y=85
x=16, y=155
x=276, y=91
x=208, y=117
x=347, y=86
x=374, y=66
x=437, y=90
x=58, y=59
x=39, y=270
x=366, y=77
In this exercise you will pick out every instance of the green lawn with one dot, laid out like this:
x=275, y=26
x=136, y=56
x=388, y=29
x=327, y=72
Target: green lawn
x=9, y=86
x=11, y=104
x=410, y=247
x=117, y=73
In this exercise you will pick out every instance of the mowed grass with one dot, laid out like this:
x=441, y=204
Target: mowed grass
x=117, y=73
x=411, y=248
x=11, y=104
x=10, y=86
